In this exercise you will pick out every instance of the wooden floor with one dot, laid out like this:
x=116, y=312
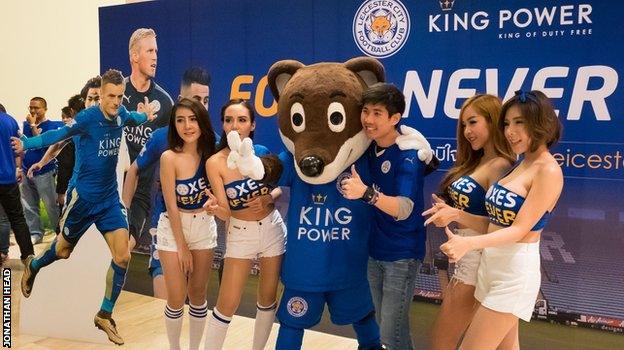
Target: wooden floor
x=140, y=322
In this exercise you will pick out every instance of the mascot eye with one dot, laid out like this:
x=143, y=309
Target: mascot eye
x=297, y=117
x=336, y=117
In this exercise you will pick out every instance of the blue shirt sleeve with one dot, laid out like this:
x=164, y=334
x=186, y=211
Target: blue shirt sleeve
x=53, y=124
x=131, y=118
x=51, y=137
x=15, y=132
x=288, y=169
x=14, y=127
x=150, y=154
x=261, y=150
x=410, y=173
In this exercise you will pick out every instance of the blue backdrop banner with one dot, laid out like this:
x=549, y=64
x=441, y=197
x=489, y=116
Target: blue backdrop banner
x=439, y=53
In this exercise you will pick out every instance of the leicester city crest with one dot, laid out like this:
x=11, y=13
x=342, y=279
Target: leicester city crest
x=182, y=189
x=231, y=193
x=297, y=306
x=380, y=28
x=385, y=166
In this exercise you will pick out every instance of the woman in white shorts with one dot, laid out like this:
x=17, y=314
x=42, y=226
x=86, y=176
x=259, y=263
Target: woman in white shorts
x=482, y=157
x=186, y=234
x=519, y=206
x=255, y=230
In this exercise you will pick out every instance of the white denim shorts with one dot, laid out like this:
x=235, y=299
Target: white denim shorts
x=509, y=279
x=251, y=239
x=199, y=229
x=466, y=268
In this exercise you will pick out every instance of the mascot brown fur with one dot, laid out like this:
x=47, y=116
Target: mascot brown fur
x=319, y=114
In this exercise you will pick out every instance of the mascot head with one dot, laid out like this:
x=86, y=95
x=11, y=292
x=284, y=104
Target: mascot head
x=319, y=113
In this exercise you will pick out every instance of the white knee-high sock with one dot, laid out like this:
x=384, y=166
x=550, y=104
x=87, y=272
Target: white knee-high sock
x=265, y=315
x=197, y=322
x=217, y=330
x=173, y=323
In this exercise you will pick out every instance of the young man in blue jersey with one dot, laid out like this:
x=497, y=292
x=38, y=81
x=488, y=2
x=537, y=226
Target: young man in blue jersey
x=92, y=195
x=194, y=86
x=397, y=241
x=40, y=186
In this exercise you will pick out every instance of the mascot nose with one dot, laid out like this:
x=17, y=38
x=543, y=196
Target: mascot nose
x=311, y=166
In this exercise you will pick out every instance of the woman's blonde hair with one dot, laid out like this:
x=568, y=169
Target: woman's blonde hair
x=467, y=159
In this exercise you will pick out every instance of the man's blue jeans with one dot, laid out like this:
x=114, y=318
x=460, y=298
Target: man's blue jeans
x=392, y=285
x=39, y=187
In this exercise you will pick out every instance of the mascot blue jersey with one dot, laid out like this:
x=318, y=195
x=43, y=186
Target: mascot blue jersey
x=327, y=242
x=97, y=141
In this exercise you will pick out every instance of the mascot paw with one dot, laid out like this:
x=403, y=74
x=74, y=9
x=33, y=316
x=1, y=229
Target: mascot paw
x=243, y=157
x=234, y=143
x=425, y=155
x=233, y=160
x=411, y=138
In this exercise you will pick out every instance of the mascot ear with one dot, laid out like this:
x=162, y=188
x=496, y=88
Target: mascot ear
x=280, y=73
x=368, y=68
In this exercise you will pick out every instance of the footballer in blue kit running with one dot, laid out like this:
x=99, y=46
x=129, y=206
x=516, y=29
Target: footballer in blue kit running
x=93, y=197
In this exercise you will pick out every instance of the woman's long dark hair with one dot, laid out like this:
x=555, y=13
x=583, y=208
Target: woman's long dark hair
x=206, y=142
x=252, y=116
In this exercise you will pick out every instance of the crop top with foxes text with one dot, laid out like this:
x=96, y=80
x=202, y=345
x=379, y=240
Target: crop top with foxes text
x=503, y=205
x=242, y=191
x=468, y=195
x=193, y=193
